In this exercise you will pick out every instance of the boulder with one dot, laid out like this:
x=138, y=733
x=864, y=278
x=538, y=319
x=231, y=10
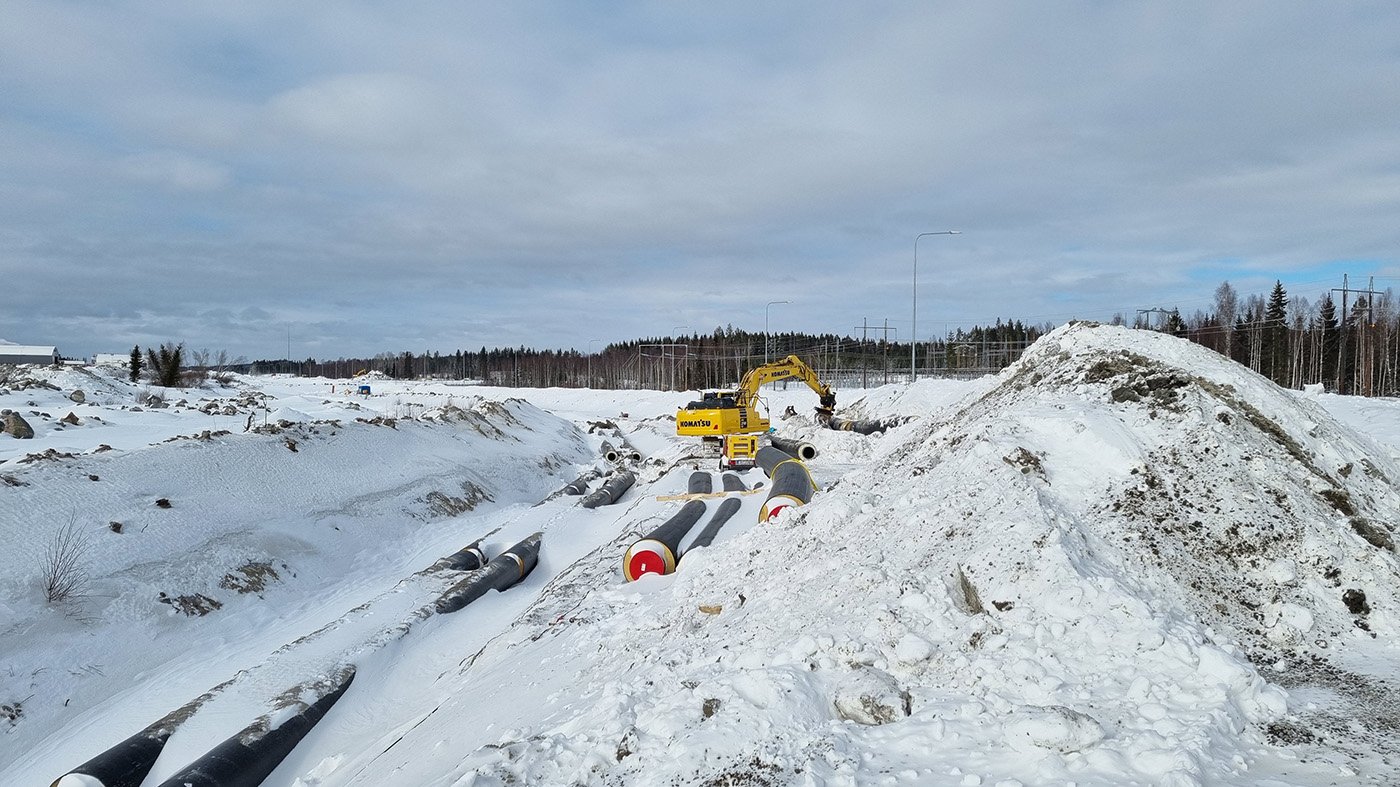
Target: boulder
x=867, y=695
x=71, y=419
x=15, y=426
x=78, y=396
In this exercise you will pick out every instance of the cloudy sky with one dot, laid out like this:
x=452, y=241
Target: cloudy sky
x=368, y=177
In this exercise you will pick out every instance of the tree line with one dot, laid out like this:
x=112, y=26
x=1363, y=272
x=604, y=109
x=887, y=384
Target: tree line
x=1352, y=347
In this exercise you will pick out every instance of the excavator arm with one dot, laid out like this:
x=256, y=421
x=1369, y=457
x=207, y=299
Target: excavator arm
x=786, y=369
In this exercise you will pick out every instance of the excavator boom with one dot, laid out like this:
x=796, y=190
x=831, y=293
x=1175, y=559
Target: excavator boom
x=722, y=413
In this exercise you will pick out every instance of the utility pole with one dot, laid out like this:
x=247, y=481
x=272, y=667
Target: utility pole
x=1157, y=310
x=1346, y=290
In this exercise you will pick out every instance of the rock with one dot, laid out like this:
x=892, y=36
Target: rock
x=1053, y=727
x=867, y=695
x=16, y=427
x=71, y=419
x=78, y=396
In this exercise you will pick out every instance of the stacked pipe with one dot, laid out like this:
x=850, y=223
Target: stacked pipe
x=504, y=570
x=791, y=482
x=798, y=448
x=630, y=452
x=127, y=763
x=850, y=425
x=656, y=553
x=611, y=490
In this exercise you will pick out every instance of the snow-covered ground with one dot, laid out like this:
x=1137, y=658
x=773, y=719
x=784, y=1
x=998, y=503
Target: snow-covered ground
x=1125, y=560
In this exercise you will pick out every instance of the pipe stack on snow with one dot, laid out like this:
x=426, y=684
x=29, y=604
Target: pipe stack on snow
x=862, y=427
x=798, y=448
x=630, y=452
x=726, y=510
x=504, y=570
x=792, y=483
x=611, y=490
x=656, y=553
x=249, y=757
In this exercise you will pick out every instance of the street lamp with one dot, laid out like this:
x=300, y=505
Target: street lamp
x=914, y=320
x=765, y=328
x=590, y=363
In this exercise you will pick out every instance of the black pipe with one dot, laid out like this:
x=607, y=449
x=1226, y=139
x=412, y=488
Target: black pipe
x=610, y=453
x=700, y=483
x=802, y=450
x=468, y=558
x=733, y=483
x=862, y=427
x=504, y=570
x=656, y=553
x=128, y=763
x=726, y=510
x=580, y=485
x=769, y=457
x=249, y=757
x=792, y=484
x=630, y=452
x=611, y=490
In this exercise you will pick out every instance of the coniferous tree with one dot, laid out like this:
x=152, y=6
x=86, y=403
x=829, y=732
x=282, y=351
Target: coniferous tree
x=165, y=363
x=134, y=373
x=1274, y=363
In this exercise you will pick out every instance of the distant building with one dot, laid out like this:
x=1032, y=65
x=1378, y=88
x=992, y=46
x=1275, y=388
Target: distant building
x=112, y=359
x=21, y=353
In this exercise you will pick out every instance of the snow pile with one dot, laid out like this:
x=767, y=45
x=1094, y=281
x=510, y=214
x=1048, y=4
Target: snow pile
x=1089, y=573
x=234, y=536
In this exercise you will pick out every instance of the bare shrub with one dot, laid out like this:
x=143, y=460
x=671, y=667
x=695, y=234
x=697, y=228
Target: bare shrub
x=64, y=576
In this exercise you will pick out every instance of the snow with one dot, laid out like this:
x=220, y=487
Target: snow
x=1124, y=560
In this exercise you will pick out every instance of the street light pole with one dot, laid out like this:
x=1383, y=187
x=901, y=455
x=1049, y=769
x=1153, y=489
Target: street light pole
x=765, y=328
x=914, y=320
x=590, y=363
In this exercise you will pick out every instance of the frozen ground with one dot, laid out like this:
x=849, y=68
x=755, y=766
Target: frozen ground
x=1123, y=561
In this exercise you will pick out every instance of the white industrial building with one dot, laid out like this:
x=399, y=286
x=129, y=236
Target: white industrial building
x=23, y=353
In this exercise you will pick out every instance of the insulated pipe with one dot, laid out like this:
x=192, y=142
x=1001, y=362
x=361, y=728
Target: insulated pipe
x=656, y=554
x=249, y=757
x=123, y=765
x=792, y=483
x=630, y=452
x=801, y=450
x=700, y=483
x=611, y=454
x=504, y=570
x=468, y=558
x=611, y=490
x=733, y=483
x=726, y=509
x=863, y=427
x=580, y=485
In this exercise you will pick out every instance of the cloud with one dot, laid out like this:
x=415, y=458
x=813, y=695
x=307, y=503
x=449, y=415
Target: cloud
x=383, y=178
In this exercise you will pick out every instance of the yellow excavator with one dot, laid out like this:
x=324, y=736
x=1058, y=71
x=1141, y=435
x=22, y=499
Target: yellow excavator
x=731, y=417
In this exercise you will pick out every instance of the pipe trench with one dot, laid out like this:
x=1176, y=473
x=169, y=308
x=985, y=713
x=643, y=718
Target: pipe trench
x=611, y=490
x=656, y=553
